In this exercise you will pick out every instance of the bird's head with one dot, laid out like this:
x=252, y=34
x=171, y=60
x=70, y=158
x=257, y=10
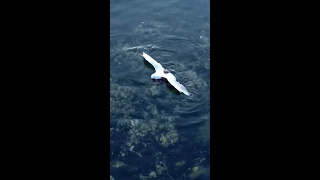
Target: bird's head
x=166, y=71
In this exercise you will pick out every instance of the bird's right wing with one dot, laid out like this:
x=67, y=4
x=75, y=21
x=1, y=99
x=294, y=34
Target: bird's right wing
x=157, y=66
x=172, y=80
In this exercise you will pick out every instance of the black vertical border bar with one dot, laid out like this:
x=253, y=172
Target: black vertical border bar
x=216, y=51
x=225, y=89
x=247, y=130
x=63, y=130
x=107, y=38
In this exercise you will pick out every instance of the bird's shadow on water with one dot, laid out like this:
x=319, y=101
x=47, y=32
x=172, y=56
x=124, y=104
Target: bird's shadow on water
x=169, y=86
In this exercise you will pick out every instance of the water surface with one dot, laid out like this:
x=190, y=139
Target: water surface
x=157, y=132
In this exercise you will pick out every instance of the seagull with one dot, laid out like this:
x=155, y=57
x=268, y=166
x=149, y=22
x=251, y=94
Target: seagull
x=164, y=73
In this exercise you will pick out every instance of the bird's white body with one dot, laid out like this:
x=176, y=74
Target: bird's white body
x=163, y=73
x=157, y=75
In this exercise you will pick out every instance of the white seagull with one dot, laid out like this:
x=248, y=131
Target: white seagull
x=164, y=73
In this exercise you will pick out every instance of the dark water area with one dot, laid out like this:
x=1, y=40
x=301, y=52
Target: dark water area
x=157, y=132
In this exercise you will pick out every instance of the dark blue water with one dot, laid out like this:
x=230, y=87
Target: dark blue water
x=157, y=132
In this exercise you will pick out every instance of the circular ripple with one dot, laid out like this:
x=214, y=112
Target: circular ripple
x=135, y=89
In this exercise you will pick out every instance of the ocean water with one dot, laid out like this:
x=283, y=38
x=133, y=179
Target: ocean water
x=157, y=132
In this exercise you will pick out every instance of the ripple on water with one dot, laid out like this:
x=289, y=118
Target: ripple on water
x=136, y=91
x=146, y=115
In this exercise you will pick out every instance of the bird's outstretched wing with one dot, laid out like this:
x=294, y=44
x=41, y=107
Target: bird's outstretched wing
x=157, y=66
x=172, y=80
